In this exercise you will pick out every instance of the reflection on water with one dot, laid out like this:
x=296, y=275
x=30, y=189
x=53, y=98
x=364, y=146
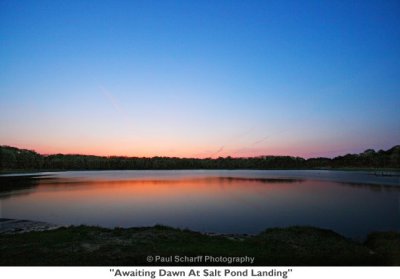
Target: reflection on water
x=204, y=201
x=14, y=185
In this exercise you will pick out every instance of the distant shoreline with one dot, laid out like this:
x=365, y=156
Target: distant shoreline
x=386, y=171
x=13, y=159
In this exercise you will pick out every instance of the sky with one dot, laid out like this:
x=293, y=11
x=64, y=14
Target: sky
x=200, y=78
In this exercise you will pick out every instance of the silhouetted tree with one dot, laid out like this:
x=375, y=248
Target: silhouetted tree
x=12, y=158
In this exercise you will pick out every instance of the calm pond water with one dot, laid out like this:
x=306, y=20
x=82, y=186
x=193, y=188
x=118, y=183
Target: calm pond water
x=237, y=201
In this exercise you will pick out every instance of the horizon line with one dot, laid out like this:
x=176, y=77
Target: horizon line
x=197, y=158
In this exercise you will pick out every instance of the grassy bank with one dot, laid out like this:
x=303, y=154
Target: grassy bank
x=85, y=245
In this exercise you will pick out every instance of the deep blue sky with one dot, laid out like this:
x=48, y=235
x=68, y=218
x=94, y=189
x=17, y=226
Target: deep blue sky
x=200, y=78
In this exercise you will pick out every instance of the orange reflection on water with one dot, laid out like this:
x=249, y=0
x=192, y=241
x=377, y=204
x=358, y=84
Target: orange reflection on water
x=155, y=190
x=201, y=202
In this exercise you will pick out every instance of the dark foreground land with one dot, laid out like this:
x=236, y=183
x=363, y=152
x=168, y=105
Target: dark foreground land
x=96, y=246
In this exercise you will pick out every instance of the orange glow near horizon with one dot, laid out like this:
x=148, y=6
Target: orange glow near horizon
x=188, y=152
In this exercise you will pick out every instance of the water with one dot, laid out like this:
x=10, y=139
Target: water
x=238, y=201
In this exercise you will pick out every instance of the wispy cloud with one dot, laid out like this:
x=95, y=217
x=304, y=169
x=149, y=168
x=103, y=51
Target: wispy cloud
x=113, y=100
x=252, y=148
x=118, y=107
x=228, y=142
x=218, y=151
x=260, y=140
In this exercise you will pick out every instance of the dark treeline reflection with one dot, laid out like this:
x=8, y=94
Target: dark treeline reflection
x=12, y=158
x=18, y=182
x=9, y=185
x=262, y=180
x=372, y=187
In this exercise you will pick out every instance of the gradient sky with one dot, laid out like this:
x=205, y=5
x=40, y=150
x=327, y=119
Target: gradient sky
x=200, y=78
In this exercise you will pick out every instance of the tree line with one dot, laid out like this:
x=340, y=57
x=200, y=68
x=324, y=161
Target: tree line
x=12, y=158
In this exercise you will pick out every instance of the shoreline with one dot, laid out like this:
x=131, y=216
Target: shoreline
x=33, y=171
x=18, y=226
x=97, y=246
x=12, y=226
